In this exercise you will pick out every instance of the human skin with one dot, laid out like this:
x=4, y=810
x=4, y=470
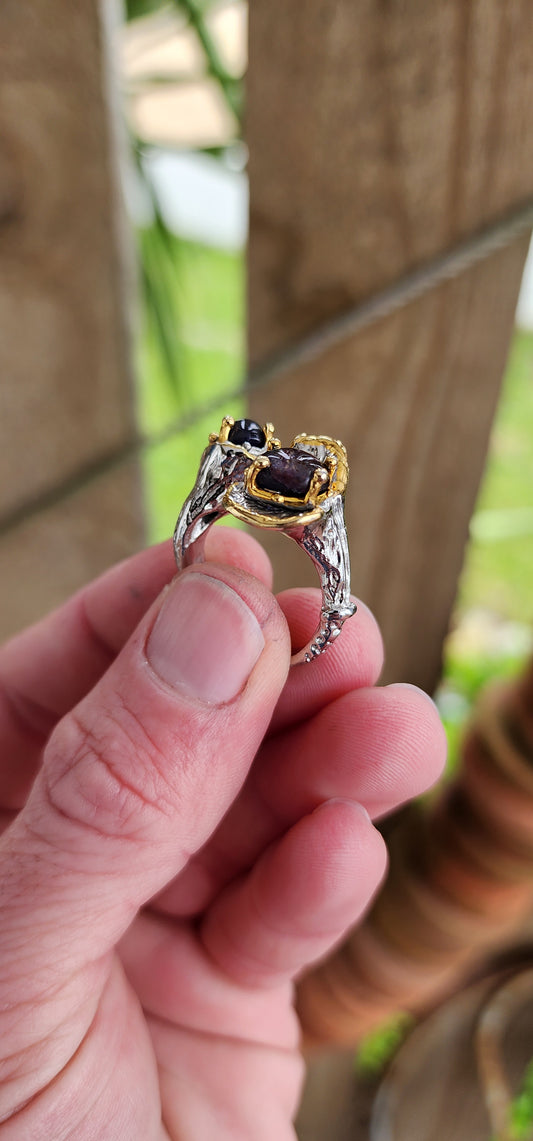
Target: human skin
x=186, y=826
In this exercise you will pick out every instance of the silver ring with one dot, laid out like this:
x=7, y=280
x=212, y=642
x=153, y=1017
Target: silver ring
x=245, y=472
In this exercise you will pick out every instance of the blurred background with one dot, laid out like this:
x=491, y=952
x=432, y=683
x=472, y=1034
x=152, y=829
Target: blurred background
x=318, y=214
x=182, y=71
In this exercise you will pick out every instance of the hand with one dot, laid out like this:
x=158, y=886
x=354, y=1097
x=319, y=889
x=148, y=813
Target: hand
x=182, y=835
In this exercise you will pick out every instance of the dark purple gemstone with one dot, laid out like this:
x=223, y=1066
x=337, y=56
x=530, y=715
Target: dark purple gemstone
x=247, y=433
x=289, y=473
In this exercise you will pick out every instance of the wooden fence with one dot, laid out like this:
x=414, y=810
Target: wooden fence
x=391, y=176
x=66, y=396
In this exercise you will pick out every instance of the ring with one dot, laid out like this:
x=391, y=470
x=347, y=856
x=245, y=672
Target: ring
x=245, y=472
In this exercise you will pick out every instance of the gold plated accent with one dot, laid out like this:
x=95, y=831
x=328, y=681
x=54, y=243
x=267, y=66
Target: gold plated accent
x=221, y=437
x=271, y=439
x=259, y=519
x=336, y=461
x=334, y=469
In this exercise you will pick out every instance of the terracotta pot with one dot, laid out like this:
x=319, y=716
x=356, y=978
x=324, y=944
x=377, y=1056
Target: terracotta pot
x=499, y=800
x=332, y=1000
x=391, y=971
x=457, y=822
x=500, y=728
x=460, y=882
x=452, y=874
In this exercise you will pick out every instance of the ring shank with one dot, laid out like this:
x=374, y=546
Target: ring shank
x=324, y=540
x=326, y=543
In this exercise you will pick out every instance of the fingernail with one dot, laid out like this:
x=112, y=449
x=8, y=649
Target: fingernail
x=414, y=689
x=206, y=640
x=358, y=809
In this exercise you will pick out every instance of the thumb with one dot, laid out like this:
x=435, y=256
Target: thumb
x=136, y=777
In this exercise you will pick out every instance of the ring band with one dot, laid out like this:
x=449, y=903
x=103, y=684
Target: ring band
x=245, y=472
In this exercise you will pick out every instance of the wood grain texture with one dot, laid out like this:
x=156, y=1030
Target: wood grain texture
x=46, y=559
x=66, y=393
x=413, y=398
x=380, y=134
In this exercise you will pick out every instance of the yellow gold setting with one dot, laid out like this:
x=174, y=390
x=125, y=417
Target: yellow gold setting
x=260, y=519
x=336, y=460
x=221, y=437
x=311, y=499
x=298, y=490
x=240, y=497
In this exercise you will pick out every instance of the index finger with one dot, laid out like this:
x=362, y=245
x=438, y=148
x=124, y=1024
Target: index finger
x=354, y=660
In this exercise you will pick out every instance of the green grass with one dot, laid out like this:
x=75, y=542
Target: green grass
x=494, y=608
x=499, y=567
x=522, y=1109
x=209, y=302
x=378, y=1047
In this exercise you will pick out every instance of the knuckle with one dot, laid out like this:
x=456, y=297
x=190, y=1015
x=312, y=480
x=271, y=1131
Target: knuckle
x=107, y=774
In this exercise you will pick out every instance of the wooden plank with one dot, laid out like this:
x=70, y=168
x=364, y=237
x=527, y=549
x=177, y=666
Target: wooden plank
x=45, y=559
x=66, y=395
x=380, y=135
x=413, y=399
